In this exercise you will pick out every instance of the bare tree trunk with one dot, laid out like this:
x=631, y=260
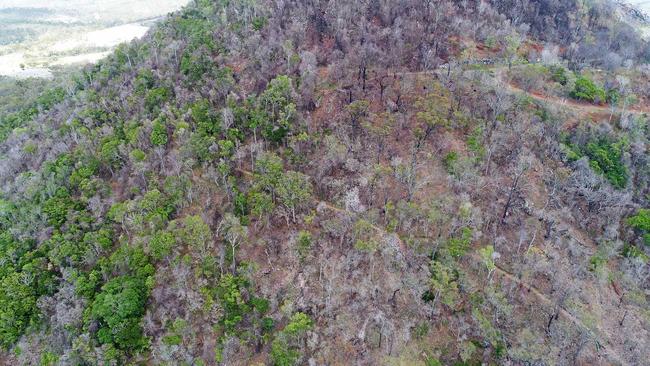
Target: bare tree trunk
x=233, y=265
x=513, y=188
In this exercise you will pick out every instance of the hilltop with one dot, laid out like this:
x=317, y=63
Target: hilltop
x=334, y=183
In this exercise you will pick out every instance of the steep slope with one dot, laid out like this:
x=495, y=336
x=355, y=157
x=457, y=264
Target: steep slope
x=335, y=182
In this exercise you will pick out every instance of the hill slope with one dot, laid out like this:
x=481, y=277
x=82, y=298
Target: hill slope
x=334, y=182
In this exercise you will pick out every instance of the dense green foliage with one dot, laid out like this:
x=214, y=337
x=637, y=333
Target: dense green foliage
x=278, y=107
x=24, y=277
x=444, y=284
x=285, y=347
x=242, y=313
x=458, y=245
x=10, y=121
x=18, y=304
x=605, y=158
x=119, y=307
x=161, y=244
x=586, y=89
x=158, y=133
x=641, y=222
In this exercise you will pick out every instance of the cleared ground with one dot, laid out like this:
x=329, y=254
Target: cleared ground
x=36, y=37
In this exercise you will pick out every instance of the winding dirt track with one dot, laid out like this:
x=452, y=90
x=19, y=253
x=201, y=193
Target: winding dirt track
x=584, y=108
x=574, y=105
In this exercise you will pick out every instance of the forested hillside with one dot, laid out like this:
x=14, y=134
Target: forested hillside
x=374, y=182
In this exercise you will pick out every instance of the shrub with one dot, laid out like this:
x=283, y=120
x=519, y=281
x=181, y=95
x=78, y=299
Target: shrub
x=268, y=171
x=285, y=349
x=161, y=244
x=20, y=118
x=81, y=175
x=443, y=284
x=235, y=307
x=240, y=203
x=196, y=64
x=277, y=103
x=48, y=359
x=259, y=23
x=156, y=98
x=585, y=89
x=605, y=158
x=144, y=81
x=172, y=340
x=475, y=143
x=449, y=161
x=304, y=243
x=56, y=208
x=420, y=330
x=109, y=152
x=294, y=191
x=24, y=277
x=458, y=245
x=558, y=74
x=200, y=146
x=194, y=232
x=259, y=203
x=641, y=222
x=597, y=261
x=431, y=361
x=138, y=155
x=156, y=205
x=613, y=96
x=158, y=135
x=631, y=251
x=206, y=121
x=364, y=236
x=86, y=284
x=239, y=308
x=530, y=77
x=278, y=94
x=226, y=148
x=66, y=251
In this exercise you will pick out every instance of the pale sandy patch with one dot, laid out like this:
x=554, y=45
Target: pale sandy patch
x=108, y=37
x=83, y=58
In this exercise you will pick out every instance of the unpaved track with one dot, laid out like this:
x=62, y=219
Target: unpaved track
x=574, y=105
x=584, y=108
